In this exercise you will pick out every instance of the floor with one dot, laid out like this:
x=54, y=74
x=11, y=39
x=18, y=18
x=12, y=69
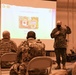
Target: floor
x=53, y=71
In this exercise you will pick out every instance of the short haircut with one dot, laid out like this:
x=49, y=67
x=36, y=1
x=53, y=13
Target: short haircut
x=6, y=34
x=31, y=34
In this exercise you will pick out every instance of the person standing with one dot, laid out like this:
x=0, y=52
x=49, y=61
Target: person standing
x=60, y=43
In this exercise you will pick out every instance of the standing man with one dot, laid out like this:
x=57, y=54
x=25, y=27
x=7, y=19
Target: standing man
x=60, y=43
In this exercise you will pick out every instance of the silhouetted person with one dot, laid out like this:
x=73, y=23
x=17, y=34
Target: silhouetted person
x=29, y=49
x=60, y=44
x=6, y=44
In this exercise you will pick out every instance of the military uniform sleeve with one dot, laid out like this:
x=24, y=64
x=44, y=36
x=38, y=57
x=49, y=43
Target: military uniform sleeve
x=68, y=30
x=43, y=51
x=13, y=46
x=53, y=35
x=19, y=54
x=21, y=49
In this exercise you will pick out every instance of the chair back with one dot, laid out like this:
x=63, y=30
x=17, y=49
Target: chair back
x=8, y=59
x=40, y=62
x=10, y=56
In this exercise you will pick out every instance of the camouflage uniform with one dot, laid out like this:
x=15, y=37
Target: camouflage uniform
x=7, y=45
x=27, y=50
x=60, y=43
x=30, y=48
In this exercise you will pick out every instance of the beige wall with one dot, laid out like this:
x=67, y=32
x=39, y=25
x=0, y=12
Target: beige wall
x=36, y=3
x=66, y=12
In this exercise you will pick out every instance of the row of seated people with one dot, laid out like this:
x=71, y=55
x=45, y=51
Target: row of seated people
x=28, y=49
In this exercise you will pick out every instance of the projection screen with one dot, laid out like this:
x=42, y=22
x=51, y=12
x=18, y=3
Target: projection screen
x=21, y=16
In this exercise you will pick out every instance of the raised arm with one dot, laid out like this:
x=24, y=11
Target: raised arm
x=68, y=30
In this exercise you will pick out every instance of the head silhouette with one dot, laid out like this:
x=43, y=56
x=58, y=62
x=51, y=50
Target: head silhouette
x=6, y=35
x=31, y=34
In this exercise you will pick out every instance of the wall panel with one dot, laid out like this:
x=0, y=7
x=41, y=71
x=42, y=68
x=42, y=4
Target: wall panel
x=66, y=12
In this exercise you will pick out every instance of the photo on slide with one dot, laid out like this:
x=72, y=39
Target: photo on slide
x=28, y=22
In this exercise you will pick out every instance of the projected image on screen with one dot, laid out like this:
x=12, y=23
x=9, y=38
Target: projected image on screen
x=21, y=19
x=28, y=22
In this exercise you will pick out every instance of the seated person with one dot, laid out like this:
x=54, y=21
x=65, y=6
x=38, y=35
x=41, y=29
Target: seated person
x=6, y=44
x=29, y=49
x=31, y=46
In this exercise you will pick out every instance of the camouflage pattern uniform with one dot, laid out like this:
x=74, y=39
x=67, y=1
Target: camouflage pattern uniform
x=60, y=43
x=7, y=45
x=30, y=48
x=27, y=50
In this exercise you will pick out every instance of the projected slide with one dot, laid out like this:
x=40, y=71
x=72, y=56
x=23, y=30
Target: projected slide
x=21, y=19
x=28, y=22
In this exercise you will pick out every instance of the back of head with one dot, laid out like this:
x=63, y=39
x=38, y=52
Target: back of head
x=59, y=23
x=31, y=34
x=6, y=35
